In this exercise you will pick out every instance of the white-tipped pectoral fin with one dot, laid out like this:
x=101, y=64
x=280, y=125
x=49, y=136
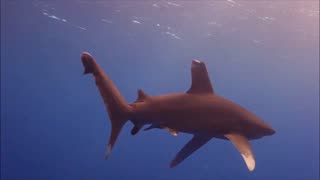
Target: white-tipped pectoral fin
x=250, y=162
x=108, y=152
x=244, y=147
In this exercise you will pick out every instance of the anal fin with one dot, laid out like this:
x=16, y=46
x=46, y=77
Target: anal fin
x=195, y=143
x=244, y=147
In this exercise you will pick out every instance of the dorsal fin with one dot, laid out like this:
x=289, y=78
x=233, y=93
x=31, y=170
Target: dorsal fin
x=141, y=96
x=201, y=83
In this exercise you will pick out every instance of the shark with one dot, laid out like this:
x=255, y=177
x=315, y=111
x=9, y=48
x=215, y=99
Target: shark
x=198, y=111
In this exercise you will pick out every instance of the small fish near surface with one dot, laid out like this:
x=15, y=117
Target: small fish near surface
x=199, y=111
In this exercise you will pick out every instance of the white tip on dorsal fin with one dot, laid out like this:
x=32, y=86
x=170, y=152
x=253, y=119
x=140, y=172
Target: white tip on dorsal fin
x=141, y=95
x=244, y=147
x=201, y=83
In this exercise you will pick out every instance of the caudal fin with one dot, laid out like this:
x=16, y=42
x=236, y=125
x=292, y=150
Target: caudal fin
x=118, y=109
x=88, y=63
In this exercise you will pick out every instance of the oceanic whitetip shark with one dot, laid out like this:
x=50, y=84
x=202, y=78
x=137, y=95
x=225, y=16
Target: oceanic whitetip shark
x=199, y=111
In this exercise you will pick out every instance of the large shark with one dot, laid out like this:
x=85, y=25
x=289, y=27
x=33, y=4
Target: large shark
x=199, y=111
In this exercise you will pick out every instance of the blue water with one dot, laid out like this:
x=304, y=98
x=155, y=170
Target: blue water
x=262, y=55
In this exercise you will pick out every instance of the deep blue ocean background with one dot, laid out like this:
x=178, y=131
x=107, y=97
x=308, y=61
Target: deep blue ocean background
x=263, y=55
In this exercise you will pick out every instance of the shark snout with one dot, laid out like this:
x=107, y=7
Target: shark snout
x=271, y=131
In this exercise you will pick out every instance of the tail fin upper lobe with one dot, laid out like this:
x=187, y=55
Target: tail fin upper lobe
x=118, y=109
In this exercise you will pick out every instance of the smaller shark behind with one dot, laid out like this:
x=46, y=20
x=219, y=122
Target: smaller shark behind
x=199, y=111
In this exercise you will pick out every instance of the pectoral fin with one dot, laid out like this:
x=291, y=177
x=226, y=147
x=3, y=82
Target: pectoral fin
x=244, y=147
x=195, y=143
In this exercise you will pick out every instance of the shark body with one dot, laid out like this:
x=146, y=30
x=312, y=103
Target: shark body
x=199, y=111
